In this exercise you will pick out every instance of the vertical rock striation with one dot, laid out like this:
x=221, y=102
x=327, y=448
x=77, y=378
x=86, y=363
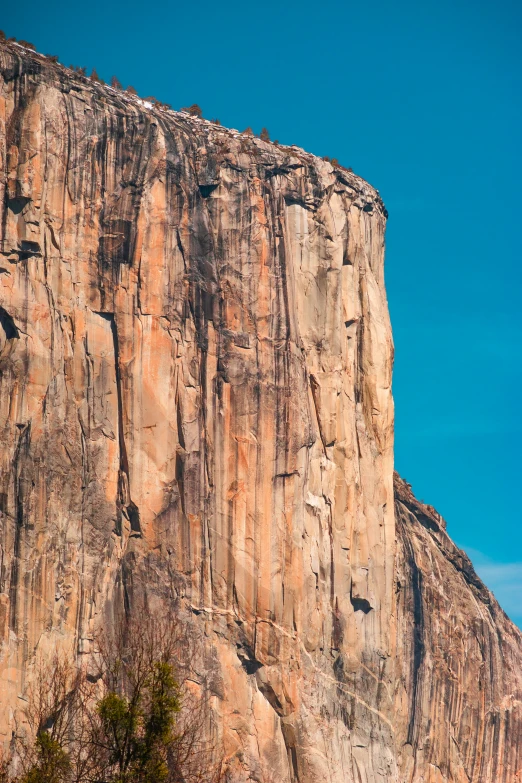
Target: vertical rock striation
x=196, y=417
x=458, y=660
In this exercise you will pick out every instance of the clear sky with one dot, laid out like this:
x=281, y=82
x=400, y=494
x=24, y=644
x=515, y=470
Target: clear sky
x=424, y=100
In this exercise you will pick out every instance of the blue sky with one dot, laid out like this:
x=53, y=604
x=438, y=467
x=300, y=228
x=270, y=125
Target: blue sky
x=424, y=100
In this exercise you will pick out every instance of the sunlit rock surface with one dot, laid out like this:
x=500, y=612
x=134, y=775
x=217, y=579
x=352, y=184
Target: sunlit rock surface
x=458, y=660
x=196, y=417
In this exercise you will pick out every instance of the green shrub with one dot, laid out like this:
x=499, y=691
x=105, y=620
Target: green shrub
x=52, y=764
x=128, y=721
x=138, y=729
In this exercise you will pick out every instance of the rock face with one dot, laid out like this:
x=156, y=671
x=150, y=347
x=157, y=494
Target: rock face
x=196, y=418
x=458, y=660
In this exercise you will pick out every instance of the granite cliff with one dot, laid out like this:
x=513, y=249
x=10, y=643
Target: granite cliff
x=196, y=418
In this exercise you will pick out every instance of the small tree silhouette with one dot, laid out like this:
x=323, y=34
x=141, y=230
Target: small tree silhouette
x=264, y=135
x=194, y=110
x=94, y=77
x=248, y=131
x=130, y=89
x=115, y=82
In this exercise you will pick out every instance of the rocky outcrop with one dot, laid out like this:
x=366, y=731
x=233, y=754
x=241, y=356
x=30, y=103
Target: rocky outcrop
x=458, y=659
x=196, y=417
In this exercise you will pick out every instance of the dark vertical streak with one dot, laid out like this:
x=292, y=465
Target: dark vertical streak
x=125, y=500
x=418, y=629
x=23, y=446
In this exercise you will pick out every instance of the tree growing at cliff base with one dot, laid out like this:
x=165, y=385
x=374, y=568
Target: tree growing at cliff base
x=135, y=721
x=126, y=719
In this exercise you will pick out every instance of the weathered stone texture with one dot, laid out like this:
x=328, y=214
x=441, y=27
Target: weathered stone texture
x=196, y=416
x=458, y=661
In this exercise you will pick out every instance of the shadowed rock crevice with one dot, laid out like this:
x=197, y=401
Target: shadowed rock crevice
x=17, y=204
x=360, y=605
x=8, y=325
x=206, y=190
